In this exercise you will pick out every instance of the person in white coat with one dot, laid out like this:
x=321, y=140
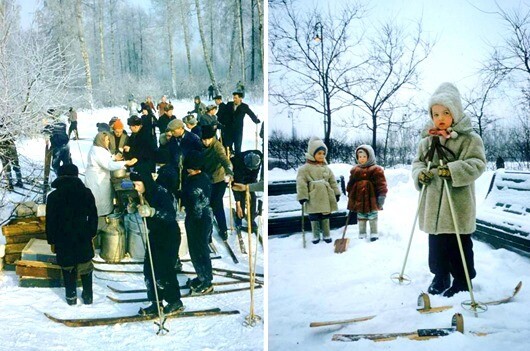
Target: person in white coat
x=97, y=177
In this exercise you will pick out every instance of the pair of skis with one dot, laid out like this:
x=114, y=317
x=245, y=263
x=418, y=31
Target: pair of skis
x=424, y=307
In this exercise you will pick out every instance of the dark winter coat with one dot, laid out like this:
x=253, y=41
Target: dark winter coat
x=181, y=146
x=239, y=114
x=364, y=186
x=197, y=130
x=224, y=115
x=163, y=121
x=216, y=163
x=142, y=148
x=149, y=123
x=196, y=193
x=242, y=174
x=58, y=135
x=71, y=221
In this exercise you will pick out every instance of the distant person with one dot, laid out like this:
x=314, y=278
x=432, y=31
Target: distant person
x=58, y=140
x=150, y=103
x=499, y=163
x=316, y=188
x=9, y=160
x=366, y=190
x=72, y=118
x=225, y=119
x=162, y=105
x=165, y=118
x=209, y=118
x=198, y=107
x=149, y=121
x=240, y=87
x=210, y=92
x=239, y=110
x=191, y=123
x=462, y=152
x=71, y=223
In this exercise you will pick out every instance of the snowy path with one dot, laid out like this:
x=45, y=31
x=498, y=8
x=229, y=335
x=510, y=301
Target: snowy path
x=316, y=284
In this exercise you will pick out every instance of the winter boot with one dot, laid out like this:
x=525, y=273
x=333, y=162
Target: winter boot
x=326, y=230
x=362, y=228
x=458, y=286
x=224, y=235
x=70, y=286
x=174, y=307
x=439, y=284
x=203, y=289
x=315, y=228
x=19, y=179
x=193, y=283
x=149, y=310
x=87, y=294
x=374, y=235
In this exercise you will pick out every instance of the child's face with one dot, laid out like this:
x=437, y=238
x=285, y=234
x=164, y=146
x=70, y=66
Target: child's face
x=320, y=156
x=362, y=157
x=441, y=117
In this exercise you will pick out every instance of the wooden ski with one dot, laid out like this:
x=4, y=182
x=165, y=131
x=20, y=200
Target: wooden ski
x=134, y=291
x=230, y=251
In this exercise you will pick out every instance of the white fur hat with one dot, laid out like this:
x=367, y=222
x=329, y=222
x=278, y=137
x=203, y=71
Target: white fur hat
x=448, y=95
x=315, y=144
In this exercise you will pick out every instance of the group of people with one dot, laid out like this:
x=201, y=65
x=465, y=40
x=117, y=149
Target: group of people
x=450, y=152
x=194, y=173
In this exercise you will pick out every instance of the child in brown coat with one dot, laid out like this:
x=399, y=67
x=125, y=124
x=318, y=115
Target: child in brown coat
x=366, y=190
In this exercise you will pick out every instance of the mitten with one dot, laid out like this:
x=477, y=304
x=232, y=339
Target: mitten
x=302, y=202
x=381, y=201
x=146, y=211
x=425, y=177
x=444, y=172
x=337, y=197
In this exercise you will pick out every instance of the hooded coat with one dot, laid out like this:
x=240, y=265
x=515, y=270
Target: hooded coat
x=97, y=174
x=316, y=182
x=467, y=164
x=366, y=183
x=71, y=221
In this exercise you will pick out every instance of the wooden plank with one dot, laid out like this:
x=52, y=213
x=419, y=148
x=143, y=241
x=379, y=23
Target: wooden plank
x=38, y=269
x=24, y=238
x=21, y=226
x=11, y=258
x=15, y=248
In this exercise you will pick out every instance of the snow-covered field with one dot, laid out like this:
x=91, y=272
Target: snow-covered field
x=315, y=284
x=23, y=325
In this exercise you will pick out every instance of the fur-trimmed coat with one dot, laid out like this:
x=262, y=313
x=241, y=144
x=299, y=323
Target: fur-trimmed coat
x=466, y=166
x=317, y=184
x=364, y=186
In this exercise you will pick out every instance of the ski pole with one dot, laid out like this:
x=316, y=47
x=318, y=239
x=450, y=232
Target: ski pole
x=303, y=224
x=252, y=318
x=473, y=304
x=161, y=316
x=400, y=278
x=230, y=197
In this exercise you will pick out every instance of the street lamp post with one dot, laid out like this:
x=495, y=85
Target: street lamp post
x=319, y=38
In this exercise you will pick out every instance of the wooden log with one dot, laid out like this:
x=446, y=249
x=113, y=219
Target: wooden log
x=15, y=248
x=21, y=226
x=24, y=238
x=38, y=269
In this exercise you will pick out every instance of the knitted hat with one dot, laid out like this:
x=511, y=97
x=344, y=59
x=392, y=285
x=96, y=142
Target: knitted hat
x=103, y=127
x=68, y=170
x=175, y=124
x=134, y=121
x=252, y=161
x=190, y=119
x=369, y=152
x=118, y=124
x=207, y=131
x=315, y=144
x=193, y=160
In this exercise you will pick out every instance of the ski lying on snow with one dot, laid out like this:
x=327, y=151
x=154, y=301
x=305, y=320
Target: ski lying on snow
x=235, y=272
x=134, y=291
x=142, y=262
x=90, y=322
x=215, y=292
x=424, y=307
x=230, y=251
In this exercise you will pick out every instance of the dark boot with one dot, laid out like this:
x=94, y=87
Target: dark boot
x=152, y=309
x=87, y=294
x=70, y=286
x=440, y=283
x=178, y=266
x=458, y=286
x=174, y=307
x=203, y=289
x=326, y=230
x=315, y=228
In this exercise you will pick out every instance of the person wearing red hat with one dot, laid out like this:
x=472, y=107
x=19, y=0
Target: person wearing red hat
x=118, y=139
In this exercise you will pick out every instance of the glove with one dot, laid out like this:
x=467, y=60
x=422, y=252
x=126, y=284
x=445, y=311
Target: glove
x=337, y=197
x=302, y=202
x=425, y=177
x=381, y=201
x=146, y=211
x=444, y=172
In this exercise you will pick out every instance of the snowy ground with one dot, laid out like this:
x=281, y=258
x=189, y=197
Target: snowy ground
x=24, y=326
x=315, y=284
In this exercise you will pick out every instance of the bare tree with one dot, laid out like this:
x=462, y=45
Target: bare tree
x=206, y=50
x=184, y=14
x=241, y=41
x=84, y=51
x=390, y=65
x=307, y=71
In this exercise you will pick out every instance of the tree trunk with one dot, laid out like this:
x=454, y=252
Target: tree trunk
x=207, y=57
x=253, y=43
x=374, y=133
x=84, y=52
x=239, y=12
x=210, y=12
x=172, y=67
x=112, y=36
x=184, y=7
x=101, y=44
x=232, y=44
x=260, y=32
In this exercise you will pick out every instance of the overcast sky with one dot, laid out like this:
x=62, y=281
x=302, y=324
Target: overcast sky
x=464, y=30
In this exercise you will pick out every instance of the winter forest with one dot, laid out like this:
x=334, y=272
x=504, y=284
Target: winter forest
x=362, y=77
